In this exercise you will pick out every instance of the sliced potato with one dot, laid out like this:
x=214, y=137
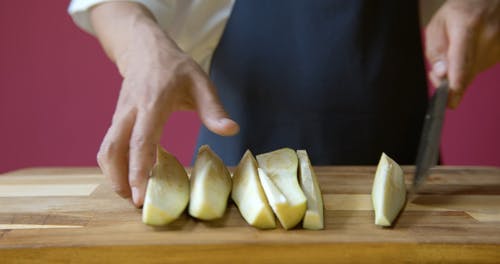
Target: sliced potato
x=167, y=194
x=210, y=186
x=388, y=192
x=281, y=167
x=249, y=196
x=313, y=219
x=276, y=198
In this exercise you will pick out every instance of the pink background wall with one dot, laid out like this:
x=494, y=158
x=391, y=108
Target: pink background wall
x=58, y=93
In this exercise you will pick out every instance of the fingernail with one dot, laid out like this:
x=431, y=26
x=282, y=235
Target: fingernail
x=440, y=68
x=225, y=121
x=135, y=195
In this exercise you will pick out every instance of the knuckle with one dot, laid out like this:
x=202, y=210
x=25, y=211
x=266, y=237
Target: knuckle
x=121, y=190
x=139, y=142
x=434, y=49
x=152, y=104
x=123, y=114
x=100, y=160
x=106, y=152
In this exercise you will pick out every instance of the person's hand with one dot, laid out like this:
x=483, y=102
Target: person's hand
x=158, y=80
x=462, y=40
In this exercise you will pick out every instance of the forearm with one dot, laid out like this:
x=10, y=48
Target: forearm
x=119, y=24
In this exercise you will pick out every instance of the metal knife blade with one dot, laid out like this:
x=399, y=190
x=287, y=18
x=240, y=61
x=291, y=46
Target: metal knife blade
x=428, y=148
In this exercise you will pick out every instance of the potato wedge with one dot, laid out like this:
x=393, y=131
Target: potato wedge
x=249, y=196
x=167, y=193
x=388, y=192
x=210, y=186
x=313, y=218
x=281, y=167
x=276, y=198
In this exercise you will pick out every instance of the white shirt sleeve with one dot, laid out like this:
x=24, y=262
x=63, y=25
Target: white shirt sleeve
x=195, y=25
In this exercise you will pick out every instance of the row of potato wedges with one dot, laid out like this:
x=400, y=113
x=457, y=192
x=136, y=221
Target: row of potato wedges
x=281, y=183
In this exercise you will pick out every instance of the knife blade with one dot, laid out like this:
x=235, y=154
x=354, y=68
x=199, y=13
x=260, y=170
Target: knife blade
x=430, y=138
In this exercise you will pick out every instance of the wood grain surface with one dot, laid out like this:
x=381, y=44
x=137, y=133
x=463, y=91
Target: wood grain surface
x=62, y=215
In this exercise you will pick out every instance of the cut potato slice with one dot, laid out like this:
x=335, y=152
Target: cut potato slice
x=313, y=219
x=276, y=198
x=167, y=194
x=249, y=196
x=389, y=191
x=281, y=167
x=210, y=186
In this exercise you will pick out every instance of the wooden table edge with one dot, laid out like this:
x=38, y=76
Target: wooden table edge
x=261, y=253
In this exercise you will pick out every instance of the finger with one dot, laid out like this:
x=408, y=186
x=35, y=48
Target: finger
x=460, y=55
x=210, y=109
x=145, y=136
x=435, y=80
x=436, y=48
x=113, y=153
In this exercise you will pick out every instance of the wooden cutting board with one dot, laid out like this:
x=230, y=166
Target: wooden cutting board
x=62, y=215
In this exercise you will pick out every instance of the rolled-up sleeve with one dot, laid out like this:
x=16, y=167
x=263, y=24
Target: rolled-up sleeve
x=196, y=25
x=79, y=11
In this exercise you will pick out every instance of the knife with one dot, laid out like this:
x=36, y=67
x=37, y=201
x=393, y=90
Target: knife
x=428, y=148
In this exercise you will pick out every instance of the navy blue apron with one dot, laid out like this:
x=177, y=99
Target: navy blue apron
x=344, y=80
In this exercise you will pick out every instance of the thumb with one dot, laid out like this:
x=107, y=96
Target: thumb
x=210, y=109
x=436, y=49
